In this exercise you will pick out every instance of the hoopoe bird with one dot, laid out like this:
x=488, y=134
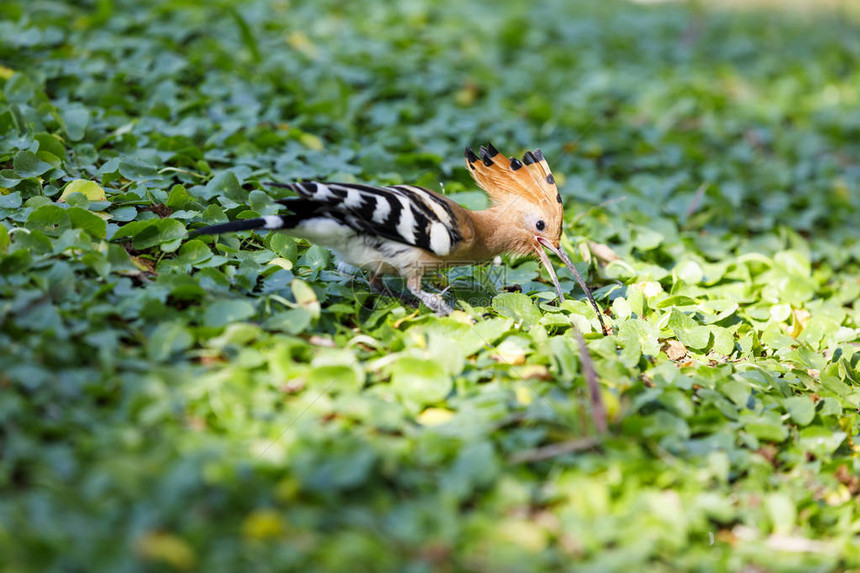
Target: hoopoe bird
x=408, y=230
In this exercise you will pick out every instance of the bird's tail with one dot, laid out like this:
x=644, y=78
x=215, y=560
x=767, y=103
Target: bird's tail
x=298, y=209
x=268, y=222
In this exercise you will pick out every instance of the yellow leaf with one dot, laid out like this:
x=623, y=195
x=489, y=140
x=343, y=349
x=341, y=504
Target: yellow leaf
x=301, y=43
x=285, y=264
x=510, y=352
x=143, y=264
x=90, y=189
x=263, y=524
x=435, y=416
x=524, y=395
x=399, y=322
x=526, y=534
x=841, y=190
x=461, y=317
x=168, y=548
x=838, y=496
x=306, y=297
x=611, y=403
x=467, y=95
x=287, y=489
x=6, y=73
x=801, y=317
x=417, y=338
x=311, y=141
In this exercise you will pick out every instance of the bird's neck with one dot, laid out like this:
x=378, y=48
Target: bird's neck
x=494, y=233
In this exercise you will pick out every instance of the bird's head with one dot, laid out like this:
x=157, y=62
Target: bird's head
x=527, y=203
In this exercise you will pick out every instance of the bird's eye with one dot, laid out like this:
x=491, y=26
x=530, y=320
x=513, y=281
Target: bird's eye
x=540, y=225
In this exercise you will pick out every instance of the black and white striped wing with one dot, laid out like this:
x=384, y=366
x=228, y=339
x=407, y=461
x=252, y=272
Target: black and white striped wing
x=404, y=213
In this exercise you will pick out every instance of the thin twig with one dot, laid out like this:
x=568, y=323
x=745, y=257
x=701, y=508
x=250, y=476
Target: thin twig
x=178, y=170
x=598, y=410
x=697, y=200
x=554, y=450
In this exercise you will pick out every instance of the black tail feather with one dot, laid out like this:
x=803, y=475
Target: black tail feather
x=300, y=208
x=240, y=225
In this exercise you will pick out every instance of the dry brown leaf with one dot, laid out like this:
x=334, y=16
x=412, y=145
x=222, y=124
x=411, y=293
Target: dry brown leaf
x=603, y=252
x=293, y=386
x=536, y=371
x=848, y=479
x=512, y=359
x=675, y=350
x=322, y=341
x=146, y=265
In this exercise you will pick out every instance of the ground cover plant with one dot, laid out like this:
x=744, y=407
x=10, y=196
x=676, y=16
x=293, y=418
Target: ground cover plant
x=170, y=402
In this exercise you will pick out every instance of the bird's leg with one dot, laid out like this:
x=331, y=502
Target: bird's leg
x=374, y=281
x=379, y=288
x=347, y=269
x=434, y=302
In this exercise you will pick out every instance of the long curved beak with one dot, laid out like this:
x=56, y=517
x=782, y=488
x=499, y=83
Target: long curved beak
x=559, y=252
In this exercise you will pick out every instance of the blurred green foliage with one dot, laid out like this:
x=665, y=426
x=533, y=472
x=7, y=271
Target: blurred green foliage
x=177, y=403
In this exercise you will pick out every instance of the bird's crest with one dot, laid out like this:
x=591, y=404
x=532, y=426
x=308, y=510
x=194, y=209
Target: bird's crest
x=502, y=177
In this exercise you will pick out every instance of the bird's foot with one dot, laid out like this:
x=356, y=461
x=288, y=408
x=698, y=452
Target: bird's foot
x=379, y=288
x=433, y=301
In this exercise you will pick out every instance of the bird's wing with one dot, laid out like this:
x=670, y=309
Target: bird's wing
x=404, y=213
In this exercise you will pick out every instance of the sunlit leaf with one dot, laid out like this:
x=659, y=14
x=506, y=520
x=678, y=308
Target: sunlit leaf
x=688, y=331
x=419, y=382
x=89, y=189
